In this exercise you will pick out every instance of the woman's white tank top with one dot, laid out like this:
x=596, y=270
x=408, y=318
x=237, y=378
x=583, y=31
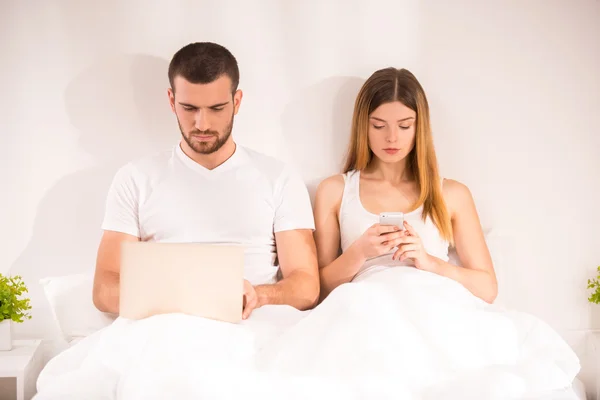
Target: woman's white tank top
x=355, y=220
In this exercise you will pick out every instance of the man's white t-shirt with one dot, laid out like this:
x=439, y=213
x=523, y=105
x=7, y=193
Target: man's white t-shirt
x=168, y=197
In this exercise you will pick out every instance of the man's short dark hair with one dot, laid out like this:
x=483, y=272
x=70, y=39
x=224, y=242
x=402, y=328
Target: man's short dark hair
x=204, y=62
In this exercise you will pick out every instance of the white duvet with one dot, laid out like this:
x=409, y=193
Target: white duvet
x=399, y=333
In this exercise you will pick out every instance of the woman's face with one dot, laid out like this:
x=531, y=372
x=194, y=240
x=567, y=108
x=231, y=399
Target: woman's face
x=392, y=131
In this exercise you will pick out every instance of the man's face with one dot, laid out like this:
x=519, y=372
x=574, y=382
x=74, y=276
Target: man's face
x=204, y=112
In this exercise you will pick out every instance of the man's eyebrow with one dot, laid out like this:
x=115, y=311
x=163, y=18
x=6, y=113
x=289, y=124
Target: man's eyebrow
x=213, y=106
x=400, y=120
x=219, y=105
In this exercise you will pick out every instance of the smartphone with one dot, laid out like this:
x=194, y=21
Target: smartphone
x=392, y=218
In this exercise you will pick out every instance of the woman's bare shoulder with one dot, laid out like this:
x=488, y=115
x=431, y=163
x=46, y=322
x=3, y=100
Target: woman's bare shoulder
x=332, y=186
x=330, y=190
x=456, y=194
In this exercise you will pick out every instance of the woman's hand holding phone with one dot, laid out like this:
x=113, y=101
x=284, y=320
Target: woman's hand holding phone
x=378, y=240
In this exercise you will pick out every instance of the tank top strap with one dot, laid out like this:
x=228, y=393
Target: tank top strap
x=350, y=178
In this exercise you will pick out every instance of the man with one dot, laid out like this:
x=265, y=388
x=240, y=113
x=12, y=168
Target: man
x=209, y=189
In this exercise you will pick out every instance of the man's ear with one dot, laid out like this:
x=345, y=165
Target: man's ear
x=237, y=100
x=171, y=95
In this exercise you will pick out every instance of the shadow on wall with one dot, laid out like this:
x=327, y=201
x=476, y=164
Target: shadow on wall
x=316, y=127
x=120, y=109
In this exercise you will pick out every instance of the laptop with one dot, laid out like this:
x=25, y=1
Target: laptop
x=204, y=280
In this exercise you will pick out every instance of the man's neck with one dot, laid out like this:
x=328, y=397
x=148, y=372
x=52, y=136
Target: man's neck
x=213, y=160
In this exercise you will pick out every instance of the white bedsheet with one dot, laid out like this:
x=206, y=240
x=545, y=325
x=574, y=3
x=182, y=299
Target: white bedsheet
x=398, y=333
x=574, y=392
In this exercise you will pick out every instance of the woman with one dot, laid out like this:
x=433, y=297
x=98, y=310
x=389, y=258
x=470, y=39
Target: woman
x=391, y=166
x=397, y=320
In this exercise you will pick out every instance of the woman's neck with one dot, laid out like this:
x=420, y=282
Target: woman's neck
x=393, y=173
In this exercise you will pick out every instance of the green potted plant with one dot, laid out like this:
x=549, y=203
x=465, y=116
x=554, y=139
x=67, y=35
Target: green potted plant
x=13, y=307
x=595, y=285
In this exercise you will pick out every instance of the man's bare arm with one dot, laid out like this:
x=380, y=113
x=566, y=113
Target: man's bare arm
x=108, y=267
x=299, y=287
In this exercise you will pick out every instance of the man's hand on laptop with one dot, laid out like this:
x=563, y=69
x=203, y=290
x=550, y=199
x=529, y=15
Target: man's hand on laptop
x=250, y=299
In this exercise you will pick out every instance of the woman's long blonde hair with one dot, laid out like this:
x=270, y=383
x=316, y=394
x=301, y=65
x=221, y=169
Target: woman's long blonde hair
x=389, y=85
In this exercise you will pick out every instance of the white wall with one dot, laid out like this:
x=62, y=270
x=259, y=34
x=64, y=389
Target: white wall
x=514, y=89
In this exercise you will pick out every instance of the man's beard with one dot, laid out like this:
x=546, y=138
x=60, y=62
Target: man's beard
x=207, y=147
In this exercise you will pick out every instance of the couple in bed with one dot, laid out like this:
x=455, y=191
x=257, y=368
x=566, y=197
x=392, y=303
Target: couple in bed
x=336, y=305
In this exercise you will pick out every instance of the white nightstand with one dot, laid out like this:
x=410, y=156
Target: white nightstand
x=23, y=364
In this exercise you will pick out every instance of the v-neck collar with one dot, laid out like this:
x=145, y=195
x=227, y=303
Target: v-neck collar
x=233, y=161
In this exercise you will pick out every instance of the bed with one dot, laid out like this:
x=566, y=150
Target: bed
x=578, y=390
x=77, y=317
x=575, y=392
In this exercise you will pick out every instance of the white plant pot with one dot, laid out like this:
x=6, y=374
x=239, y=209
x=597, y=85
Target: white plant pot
x=5, y=339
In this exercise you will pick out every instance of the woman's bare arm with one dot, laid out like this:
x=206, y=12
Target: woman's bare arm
x=477, y=272
x=334, y=269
